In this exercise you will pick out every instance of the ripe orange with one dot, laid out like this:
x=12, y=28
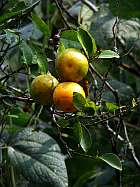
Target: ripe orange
x=71, y=65
x=42, y=88
x=63, y=95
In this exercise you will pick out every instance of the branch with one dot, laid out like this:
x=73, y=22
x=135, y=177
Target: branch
x=131, y=147
x=68, y=14
x=130, y=54
x=130, y=69
x=15, y=98
x=115, y=92
x=61, y=13
x=90, y=5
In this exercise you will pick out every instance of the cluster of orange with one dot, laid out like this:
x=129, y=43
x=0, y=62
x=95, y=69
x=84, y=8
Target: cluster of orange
x=72, y=67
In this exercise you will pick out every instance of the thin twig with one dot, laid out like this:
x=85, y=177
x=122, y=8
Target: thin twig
x=131, y=147
x=58, y=130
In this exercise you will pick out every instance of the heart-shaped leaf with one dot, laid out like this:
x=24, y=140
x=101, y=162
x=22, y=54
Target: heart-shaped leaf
x=38, y=158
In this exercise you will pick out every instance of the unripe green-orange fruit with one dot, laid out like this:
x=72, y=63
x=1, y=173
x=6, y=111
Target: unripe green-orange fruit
x=71, y=65
x=63, y=96
x=42, y=88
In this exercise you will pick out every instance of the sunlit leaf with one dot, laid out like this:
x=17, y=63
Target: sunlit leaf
x=108, y=54
x=61, y=48
x=42, y=26
x=87, y=42
x=112, y=159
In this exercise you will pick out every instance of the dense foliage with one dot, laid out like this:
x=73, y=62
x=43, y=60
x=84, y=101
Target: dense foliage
x=97, y=145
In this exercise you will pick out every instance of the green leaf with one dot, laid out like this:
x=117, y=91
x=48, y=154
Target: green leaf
x=21, y=120
x=13, y=13
x=112, y=159
x=38, y=158
x=42, y=26
x=19, y=10
x=79, y=101
x=126, y=9
x=87, y=42
x=69, y=39
x=89, y=175
x=12, y=116
x=11, y=37
x=85, y=139
x=111, y=106
x=108, y=106
x=40, y=59
x=89, y=110
x=90, y=107
x=61, y=48
x=27, y=53
x=108, y=54
x=83, y=136
x=77, y=131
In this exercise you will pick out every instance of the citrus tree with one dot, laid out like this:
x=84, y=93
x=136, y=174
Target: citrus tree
x=69, y=93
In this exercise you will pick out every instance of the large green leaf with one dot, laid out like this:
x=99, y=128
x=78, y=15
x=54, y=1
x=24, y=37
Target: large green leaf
x=38, y=158
x=112, y=159
x=69, y=39
x=87, y=42
x=125, y=9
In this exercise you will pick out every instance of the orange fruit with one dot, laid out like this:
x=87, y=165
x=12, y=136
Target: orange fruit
x=63, y=95
x=42, y=88
x=71, y=65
